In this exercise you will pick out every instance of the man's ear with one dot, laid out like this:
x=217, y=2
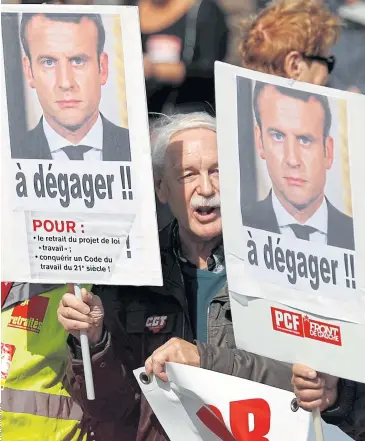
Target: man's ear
x=27, y=68
x=258, y=141
x=161, y=190
x=329, y=152
x=104, y=68
x=294, y=65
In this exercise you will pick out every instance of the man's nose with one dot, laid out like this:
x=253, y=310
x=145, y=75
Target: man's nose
x=65, y=76
x=206, y=187
x=292, y=153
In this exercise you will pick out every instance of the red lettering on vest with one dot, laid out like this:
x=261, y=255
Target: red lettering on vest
x=29, y=315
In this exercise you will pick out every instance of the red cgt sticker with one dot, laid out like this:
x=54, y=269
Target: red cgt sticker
x=156, y=322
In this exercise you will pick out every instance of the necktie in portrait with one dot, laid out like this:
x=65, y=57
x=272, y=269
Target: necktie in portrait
x=76, y=152
x=302, y=231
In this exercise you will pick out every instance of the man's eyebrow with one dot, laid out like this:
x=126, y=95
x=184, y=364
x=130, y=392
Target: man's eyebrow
x=82, y=56
x=48, y=57
x=273, y=129
x=181, y=168
x=306, y=135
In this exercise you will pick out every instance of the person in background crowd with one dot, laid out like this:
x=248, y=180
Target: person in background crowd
x=349, y=51
x=181, y=40
x=342, y=402
x=130, y=325
x=35, y=401
x=59, y=2
x=292, y=39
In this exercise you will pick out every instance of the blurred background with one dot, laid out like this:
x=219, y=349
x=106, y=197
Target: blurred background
x=181, y=46
x=350, y=50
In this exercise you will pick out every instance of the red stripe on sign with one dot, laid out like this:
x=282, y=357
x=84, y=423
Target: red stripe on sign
x=212, y=418
x=5, y=289
x=240, y=412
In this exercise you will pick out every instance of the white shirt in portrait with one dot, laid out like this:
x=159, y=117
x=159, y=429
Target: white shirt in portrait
x=93, y=139
x=319, y=221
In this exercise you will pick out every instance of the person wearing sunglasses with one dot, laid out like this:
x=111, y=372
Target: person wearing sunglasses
x=292, y=39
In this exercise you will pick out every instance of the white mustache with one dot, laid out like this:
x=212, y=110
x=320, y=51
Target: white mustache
x=202, y=201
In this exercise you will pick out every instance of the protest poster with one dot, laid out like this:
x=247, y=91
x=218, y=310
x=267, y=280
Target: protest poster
x=77, y=188
x=201, y=405
x=291, y=159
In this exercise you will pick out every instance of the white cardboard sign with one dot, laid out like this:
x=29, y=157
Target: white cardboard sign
x=291, y=183
x=291, y=164
x=77, y=189
x=201, y=405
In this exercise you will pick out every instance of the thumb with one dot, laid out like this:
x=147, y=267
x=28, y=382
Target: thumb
x=354, y=89
x=89, y=298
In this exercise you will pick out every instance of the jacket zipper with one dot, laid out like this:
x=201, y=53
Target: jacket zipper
x=185, y=310
x=208, y=314
x=183, y=326
x=208, y=323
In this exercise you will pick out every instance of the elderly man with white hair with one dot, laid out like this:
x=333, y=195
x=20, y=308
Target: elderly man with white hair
x=188, y=319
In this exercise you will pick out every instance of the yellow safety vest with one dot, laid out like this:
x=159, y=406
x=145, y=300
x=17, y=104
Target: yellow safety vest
x=35, y=403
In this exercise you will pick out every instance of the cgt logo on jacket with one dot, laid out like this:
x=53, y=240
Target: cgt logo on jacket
x=156, y=322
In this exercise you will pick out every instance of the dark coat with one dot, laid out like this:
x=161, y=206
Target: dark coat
x=340, y=230
x=116, y=145
x=120, y=411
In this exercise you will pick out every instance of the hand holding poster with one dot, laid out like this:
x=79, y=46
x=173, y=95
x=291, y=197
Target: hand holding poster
x=78, y=197
x=293, y=232
x=199, y=405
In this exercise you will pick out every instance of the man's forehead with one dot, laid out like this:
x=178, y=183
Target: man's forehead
x=289, y=110
x=191, y=145
x=43, y=28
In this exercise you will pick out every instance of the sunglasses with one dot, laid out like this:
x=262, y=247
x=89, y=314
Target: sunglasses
x=330, y=61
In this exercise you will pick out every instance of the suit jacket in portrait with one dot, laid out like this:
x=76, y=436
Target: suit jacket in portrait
x=340, y=230
x=116, y=145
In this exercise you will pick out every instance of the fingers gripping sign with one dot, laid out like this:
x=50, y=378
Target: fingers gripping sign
x=85, y=314
x=315, y=392
x=314, y=389
x=82, y=316
x=175, y=350
x=85, y=354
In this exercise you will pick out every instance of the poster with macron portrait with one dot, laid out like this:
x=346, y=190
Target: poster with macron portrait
x=291, y=179
x=77, y=188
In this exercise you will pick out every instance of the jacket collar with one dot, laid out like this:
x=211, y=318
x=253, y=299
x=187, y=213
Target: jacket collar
x=41, y=148
x=173, y=283
x=215, y=262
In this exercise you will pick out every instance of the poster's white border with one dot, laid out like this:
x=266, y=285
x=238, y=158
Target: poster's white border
x=137, y=119
x=227, y=135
